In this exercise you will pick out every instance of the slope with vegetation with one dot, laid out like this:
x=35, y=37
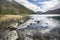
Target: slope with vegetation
x=12, y=7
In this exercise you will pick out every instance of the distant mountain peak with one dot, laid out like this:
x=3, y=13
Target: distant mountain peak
x=39, y=12
x=55, y=11
x=56, y=7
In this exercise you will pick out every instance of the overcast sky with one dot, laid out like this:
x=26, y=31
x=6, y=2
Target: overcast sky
x=38, y=5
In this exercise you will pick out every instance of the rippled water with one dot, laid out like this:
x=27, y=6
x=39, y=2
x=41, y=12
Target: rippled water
x=45, y=22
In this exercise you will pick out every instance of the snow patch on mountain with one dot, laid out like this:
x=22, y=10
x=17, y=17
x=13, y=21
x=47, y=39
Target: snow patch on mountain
x=56, y=7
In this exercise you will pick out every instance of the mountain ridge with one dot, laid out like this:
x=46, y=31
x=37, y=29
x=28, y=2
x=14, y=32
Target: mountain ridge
x=8, y=7
x=56, y=11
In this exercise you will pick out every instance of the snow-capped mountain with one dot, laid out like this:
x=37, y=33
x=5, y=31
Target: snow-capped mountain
x=56, y=7
x=54, y=10
x=39, y=12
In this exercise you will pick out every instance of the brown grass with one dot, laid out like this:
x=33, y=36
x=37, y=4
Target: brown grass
x=10, y=17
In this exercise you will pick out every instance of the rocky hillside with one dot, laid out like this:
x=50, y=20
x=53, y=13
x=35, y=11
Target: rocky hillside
x=12, y=7
x=56, y=11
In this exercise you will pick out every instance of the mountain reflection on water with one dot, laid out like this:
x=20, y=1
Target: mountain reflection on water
x=42, y=28
x=36, y=28
x=43, y=22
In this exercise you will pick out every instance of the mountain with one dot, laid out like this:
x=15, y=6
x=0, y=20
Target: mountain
x=39, y=12
x=54, y=10
x=12, y=7
x=56, y=7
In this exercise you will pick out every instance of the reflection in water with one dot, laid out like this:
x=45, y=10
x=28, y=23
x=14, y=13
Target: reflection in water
x=43, y=22
x=37, y=28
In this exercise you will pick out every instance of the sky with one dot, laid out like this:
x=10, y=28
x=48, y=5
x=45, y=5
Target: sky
x=39, y=5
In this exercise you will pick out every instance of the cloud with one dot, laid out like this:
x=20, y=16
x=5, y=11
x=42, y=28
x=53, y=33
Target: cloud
x=35, y=0
x=56, y=7
x=29, y=5
x=46, y=5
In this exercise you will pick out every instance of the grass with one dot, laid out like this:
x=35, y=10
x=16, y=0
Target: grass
x=6, y=20
x=13, y=8
x=10, y=17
